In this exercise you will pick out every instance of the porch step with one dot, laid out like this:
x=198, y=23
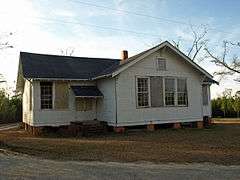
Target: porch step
x=87, y=128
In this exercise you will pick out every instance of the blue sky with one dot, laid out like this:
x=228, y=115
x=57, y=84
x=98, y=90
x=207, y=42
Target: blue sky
x=91, y=29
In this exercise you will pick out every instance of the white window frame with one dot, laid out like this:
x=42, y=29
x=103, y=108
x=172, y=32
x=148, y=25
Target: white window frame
x=53, y=97
x=175, y=92
x=174, y=95
x=149, y=95
x=182, y=92
x=157, y=63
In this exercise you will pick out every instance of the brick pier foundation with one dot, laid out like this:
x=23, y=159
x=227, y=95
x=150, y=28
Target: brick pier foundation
x=177, y=125
x=119, y=129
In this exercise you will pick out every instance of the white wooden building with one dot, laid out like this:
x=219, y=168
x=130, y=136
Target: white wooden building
x=159, y=85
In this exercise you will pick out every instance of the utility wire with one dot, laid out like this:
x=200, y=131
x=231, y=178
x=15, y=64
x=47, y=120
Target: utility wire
x=143, y=15
x=128, y=12
x=54, y=20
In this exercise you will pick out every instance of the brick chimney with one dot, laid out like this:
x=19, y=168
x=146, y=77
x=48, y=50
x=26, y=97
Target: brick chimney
x=124, y=55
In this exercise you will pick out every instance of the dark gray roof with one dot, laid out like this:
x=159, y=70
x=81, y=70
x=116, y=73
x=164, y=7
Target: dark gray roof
x=65, y=67
x=86, y=91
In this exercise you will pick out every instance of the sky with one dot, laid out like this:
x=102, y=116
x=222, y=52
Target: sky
x=97, y=28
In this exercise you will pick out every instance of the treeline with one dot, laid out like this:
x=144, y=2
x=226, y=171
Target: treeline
x=227, y=105
x=10, y=108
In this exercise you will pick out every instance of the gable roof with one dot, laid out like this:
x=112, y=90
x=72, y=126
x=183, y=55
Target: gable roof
x=42, y=66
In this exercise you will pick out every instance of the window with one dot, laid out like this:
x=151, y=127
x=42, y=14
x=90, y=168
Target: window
x=205, y=95
x=46, y=95
x=169, y=91
x=83, y=104
x=182, y=92
x=161, y=64
x=143, y=92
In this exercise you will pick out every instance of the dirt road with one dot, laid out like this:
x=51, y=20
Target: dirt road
x=16, y=166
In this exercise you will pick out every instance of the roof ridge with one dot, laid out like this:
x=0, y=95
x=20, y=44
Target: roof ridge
x=73, y=57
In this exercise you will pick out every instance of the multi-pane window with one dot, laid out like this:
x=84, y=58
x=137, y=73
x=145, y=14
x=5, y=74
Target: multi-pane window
x=182, y=92
x=161, y=64
x=169, y=91
x=46, y=95
x=205, y=95
x=84, y=104
x=143, y=92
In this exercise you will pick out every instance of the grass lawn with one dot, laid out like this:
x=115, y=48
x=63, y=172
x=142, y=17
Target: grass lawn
x=219, y=144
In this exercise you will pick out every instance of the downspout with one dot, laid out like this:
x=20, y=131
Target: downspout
x=116, y=120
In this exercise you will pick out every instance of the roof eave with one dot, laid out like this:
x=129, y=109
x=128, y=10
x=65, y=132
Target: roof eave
x=60, y=79
x=102, y=76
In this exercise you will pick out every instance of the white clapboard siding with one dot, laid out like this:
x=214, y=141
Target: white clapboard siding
x=129, y=114
x=27, y=113
x=54, y=117
x=106, y=107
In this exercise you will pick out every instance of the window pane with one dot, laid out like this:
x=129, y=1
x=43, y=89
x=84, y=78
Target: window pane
x=169, y=84
x=161, y=64
x=142, y=94
x=182, y=85
x=46, y=95
x=182, y=98
x=169, y=98
x=182, y=92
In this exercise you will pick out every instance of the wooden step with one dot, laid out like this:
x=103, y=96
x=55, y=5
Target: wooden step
x=86, y=128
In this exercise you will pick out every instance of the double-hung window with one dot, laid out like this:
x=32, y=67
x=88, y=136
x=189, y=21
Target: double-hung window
x=182, y=92
x=46, y=95
x=169, y=91
x=161, y=64
x=143, y=92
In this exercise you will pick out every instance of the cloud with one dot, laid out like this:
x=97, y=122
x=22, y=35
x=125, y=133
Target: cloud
x=64, y=13
x=42, y=36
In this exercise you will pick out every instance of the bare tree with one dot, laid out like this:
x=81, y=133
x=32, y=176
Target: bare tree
x=68, y=51
x=3, y=43
x=230, y=65
x=199, y=42
x=199, y=49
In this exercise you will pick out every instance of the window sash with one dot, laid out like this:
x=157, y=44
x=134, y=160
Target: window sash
x=46, y=95
x=174, y=91
x=182, y=96
x=169, y=84
x=143, y=92
x=169, y=98
x=161, y=64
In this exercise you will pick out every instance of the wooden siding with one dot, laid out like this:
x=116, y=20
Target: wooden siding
x=106, y=107
x=54, y=117
x=127, y=112
x=61, y=95
x=27, y=103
